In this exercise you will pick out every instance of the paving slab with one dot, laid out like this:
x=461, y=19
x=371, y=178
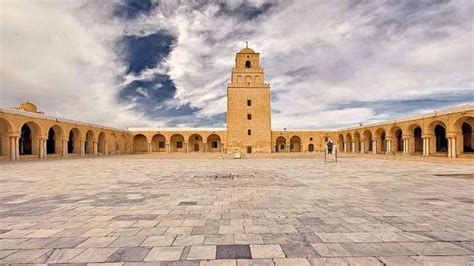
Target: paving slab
x=142, y=210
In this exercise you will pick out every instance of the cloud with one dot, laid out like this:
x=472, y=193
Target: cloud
x=59, y=55
x=167, y=63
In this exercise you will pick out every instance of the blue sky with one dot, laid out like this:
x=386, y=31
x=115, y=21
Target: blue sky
x=330, y=64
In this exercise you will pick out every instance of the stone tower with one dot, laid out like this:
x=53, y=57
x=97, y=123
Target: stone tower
x=248, y=106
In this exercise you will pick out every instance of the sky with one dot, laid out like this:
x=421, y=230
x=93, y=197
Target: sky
x=144, y=63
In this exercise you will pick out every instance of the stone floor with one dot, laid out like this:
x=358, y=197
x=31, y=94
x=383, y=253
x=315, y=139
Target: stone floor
x=134, y=210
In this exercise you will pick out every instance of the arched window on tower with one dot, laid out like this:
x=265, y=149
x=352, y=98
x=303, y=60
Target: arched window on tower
x=248, y=64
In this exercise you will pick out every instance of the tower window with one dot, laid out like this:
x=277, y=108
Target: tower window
x=248, y=64
x=249, y=132
x=311, y=139
x=249, y=102
x=249, y=116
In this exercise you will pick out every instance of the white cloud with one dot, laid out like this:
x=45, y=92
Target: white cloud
x=317, y=56
x=58, y=55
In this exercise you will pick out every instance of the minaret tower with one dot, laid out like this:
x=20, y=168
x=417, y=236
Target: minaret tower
x=248, y=106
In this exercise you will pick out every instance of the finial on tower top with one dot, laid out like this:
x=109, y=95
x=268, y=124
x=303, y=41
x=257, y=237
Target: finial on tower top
x=246, y=44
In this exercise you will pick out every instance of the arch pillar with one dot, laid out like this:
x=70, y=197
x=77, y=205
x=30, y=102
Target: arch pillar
x=353, y=146
x=206, y=149
x=42, y=147
x=14, y=147
x=148, y=147
x=95, y=151
x=426, y=144
x=388, y=147
x=168, y=147
x=452, y=145
x=222, y=147
x=83, y=148
x=64, y=152
x=288, y=147
x=374, y=146
x=106, y=146
x=186, y=147
x=406, y=144
x=362, y=146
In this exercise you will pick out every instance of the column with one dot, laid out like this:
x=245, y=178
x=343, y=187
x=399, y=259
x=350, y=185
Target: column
x=17, y=148
x=13, y=148
x=186, y=147
x=205, y=147
x=353, y=146
x=45, y=147
x=374, y=146
x=362, y=147
x=168, y=147
x=65, y=150
x=148, y=147
x=345, y=146
x=406, y=144
x=452, y=151
x=426, y=146
x=106, y=148
x=388, y=146
x=94, y=150
x=288, y=147
x=83, y=148
x=41, y=148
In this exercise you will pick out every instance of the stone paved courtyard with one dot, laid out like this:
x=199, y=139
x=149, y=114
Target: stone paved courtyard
x=135, y=210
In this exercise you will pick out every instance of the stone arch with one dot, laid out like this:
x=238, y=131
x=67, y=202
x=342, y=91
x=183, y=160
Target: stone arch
x=397, y=135
x=140, y=143
x=158, y=143
x=439, y=143
x=30, y=134
x=196, y=143
x=381, y=140
x=248, y=79
x=177, y=143
x=54, y=143
x=214, y=143
x=348, y=142
x=102, y=142
x=340, y=140
x=74, y=141
x=464, y=135
x=295, y=144
x=113, y=144
x=280, y=144
x=248, y=64
x=367, y=138
x=357, y=142
x=124, y=145
x=416, y=133
x=6, y=129
x=89, y=144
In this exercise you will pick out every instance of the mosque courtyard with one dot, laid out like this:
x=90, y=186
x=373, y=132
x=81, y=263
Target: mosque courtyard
x=139, y=210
